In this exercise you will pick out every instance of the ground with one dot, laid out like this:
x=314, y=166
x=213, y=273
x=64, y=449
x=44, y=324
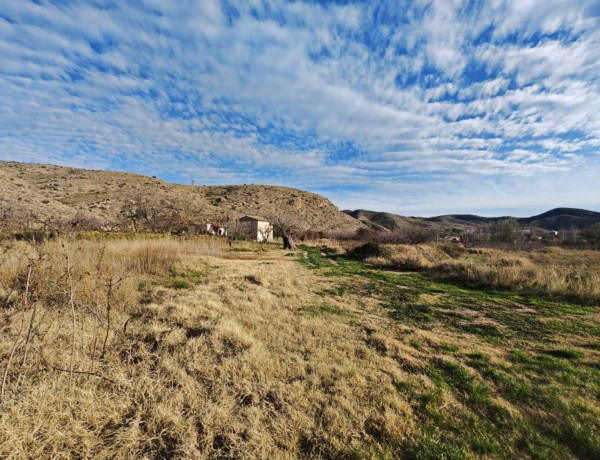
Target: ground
x=262, y=353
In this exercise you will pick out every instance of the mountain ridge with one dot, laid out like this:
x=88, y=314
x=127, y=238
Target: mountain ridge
x=48, y=190
x=554, y=219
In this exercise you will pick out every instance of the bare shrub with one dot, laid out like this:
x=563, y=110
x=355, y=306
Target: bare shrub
x=369, y=250
x=404, y=234
x=74, y=294
x=543, y=271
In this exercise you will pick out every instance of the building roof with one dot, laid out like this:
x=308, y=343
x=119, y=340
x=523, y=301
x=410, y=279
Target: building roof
x=257, y=218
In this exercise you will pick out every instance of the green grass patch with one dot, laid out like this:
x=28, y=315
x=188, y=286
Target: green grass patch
x=553, y=388
x=325, y=309
x=416, y=344
x=409, y=312
x=176, y=283
x=450, y=347
x=519, y=356
x=566, y=353
x=314, y=258
x=188, y=274
x=183, y=278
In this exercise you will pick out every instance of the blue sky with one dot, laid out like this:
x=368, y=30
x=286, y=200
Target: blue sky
x=419, y=108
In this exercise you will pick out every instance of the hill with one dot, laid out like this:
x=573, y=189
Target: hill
x=63, y=192
x=555, y=219
x=380, y=220
x=566, y=218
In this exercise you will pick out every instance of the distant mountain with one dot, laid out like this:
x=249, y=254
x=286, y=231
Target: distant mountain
x=563, y=218
x=379, y=220
x=555, y=219
x=462, y=220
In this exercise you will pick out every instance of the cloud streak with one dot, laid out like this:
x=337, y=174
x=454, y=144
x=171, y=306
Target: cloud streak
x=427, y=99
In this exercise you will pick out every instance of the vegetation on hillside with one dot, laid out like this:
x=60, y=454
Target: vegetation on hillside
x=59, y=199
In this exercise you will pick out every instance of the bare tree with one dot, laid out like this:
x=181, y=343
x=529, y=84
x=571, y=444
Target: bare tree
x=6, y=214
x=288, y=227
x=15, y=216
x=234, y=230
x=265, y=234
x=133, y=210
x=506, y=230
x=179, y=214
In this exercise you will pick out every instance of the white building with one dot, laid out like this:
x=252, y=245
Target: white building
x=257, y=228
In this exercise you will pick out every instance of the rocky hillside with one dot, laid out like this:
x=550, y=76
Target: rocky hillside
x=63, y=192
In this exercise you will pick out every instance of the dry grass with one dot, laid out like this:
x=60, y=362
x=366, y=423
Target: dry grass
x=572, y=274
x=109, y=362
x=187, y=349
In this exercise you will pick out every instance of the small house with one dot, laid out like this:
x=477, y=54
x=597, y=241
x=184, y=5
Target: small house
x=215, y=229
x=257, y=228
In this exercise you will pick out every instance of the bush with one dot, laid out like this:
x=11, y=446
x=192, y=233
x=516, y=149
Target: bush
x=403, y=234
x=368, y=250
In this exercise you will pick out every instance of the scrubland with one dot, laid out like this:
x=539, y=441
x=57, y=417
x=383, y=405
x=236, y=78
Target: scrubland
x=162, y=348
x=550, y=271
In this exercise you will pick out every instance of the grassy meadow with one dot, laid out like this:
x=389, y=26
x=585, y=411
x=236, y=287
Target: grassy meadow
x=167, y=348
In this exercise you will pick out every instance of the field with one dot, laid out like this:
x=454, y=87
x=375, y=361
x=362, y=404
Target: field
x=159, y=348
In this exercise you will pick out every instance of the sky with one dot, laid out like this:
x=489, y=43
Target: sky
x=412, y=107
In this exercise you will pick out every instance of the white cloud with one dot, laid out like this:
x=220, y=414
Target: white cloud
x=283, y=89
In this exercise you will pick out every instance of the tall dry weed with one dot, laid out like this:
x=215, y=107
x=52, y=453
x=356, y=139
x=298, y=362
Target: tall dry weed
x=63, y=302
x=231, y=369
x=555, y=271
x=573, y=274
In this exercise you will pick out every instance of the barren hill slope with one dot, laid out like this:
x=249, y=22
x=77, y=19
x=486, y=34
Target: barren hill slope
x=61, y=191
x=380, y=220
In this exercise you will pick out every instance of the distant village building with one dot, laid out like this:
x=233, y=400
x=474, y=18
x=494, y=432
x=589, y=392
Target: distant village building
x=540, y=234
x=451, y=239
x=214, y=229
x=257, y=228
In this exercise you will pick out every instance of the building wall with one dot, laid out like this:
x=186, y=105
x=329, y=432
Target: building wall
x=263, y=227
x=247, y=227
x=253, y=229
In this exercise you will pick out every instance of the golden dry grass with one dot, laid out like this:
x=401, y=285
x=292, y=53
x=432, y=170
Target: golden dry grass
x=570, y=273
x=238, y=365
x=214, y=352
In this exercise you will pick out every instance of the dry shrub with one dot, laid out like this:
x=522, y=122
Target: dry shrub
x=66, y=301
x=572, y=274
x=513, y=261
x=368, y=250
x=453, y=250
x=416, y=257
x=381, y=261
x=485, y=251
